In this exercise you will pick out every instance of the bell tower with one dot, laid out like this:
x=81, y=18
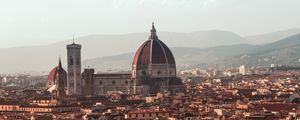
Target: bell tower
x=74, y=83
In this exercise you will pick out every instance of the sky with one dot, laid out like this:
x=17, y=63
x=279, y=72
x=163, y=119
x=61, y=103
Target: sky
x=40, y=22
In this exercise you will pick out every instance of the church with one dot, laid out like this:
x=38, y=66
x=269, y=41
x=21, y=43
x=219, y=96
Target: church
x=154, y=68
x=153, y=71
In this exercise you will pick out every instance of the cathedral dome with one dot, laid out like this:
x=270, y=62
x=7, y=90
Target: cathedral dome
x=53, y=74
x=153, y=67
x=153, y=51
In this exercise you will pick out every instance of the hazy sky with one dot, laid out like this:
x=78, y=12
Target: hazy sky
x=33, y=22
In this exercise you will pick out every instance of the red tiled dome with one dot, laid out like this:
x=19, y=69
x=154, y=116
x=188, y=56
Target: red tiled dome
x=153, y=51
x=53, y=74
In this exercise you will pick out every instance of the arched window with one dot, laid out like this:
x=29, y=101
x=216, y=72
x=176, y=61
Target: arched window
x=77, y=61
x=71, y=61
x=158, y=72
x=143, y=73
x=113, y=82
x=100, y=82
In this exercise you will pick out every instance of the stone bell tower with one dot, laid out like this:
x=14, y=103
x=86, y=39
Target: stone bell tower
x=74, y=83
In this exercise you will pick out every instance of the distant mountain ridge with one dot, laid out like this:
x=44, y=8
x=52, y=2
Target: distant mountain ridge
x=273, y=36
x=284, y=52
x=185, y=57
x=115, y=52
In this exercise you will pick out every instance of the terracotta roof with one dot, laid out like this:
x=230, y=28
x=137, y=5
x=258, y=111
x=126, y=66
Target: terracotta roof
x=276, y=107
x=9, y=103
x=153, y=51
x=53, y=74
x=147, y=111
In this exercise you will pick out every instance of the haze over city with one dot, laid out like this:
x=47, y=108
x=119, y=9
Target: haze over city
x=42, y=22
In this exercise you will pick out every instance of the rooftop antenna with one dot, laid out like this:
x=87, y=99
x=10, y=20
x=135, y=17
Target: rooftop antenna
x=73, y=39
x=59, y=61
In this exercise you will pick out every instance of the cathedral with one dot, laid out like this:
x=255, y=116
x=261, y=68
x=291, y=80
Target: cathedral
x=154, y=68
x=153, y=71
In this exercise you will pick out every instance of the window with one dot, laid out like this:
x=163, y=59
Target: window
x=100, y=82
x=143, y=73
x=126, y=82
x=159, y=72
x=77, y=61
x=113, y=82
x=71, y=61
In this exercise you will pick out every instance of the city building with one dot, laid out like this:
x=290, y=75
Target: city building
x=55, y=101
x=153, y=71
x=242, y=70
x=105, y=83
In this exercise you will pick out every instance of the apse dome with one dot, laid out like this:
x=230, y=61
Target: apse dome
x=52, y=77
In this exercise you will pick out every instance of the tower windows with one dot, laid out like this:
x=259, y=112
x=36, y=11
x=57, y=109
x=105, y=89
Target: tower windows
x=158, y=72
x=74, y=68
x=144, y=73
x=71, y=61
x=77, y=61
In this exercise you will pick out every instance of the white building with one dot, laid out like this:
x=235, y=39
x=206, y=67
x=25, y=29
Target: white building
x=242, y=70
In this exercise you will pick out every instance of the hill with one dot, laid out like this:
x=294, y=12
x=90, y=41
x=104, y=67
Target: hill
x=115, y=52
x=43, y=58
x=272, y=37
x=185, y=57
x=284, y=52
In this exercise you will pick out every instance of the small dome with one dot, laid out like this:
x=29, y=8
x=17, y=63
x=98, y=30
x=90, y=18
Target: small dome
x=153, y=51
x=53, y=74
